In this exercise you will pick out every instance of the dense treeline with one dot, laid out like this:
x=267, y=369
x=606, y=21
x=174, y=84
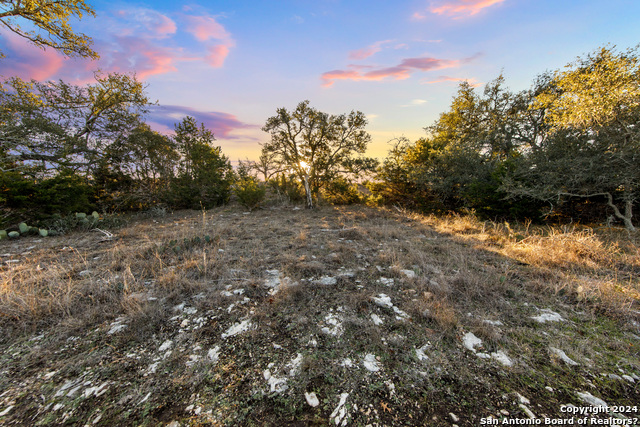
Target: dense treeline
x=569, y=146
x=68, y=148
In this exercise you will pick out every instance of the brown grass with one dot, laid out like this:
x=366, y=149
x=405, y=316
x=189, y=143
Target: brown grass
x=464, y=263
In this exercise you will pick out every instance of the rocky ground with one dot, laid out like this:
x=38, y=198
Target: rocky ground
x=283, y=316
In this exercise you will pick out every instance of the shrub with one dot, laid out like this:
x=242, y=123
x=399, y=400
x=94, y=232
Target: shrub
x=250, y=192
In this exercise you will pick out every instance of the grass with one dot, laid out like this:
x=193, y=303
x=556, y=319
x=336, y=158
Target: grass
x=179, y=283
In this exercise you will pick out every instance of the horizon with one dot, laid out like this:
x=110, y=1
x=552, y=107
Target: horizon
x=231, y=67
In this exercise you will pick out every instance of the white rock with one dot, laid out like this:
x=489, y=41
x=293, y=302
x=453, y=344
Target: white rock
x=591, y=399
x=326, y=281
x=493, y=322
x=370, y=363
x=386, y=281
x=237, y=328
x=277, y=385
x=502, y=357
x=454, y=417
x=547, y=316
x=409, y=273
x=339, y=413
x=383, y=301
x=470, y=341
x=563, y=356
x=214, y=354
x=523, y=399
x=629, y=378
x=420, y=352
x=312, y=399
x=6, y=411
x=527, y=411
x=376, y=319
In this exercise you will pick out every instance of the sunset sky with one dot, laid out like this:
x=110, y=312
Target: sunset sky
x=230, y=64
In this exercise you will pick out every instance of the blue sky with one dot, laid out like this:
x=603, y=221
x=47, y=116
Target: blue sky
x=230, y=64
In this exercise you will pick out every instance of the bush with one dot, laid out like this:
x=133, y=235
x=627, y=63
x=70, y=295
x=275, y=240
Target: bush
x=250, y=192
x=339, y=191
x=287, y=186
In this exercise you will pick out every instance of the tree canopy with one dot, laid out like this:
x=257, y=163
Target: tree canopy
x=314, y=145
x=51, y=20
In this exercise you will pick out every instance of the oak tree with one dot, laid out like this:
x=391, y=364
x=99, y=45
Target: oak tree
x=51, y=21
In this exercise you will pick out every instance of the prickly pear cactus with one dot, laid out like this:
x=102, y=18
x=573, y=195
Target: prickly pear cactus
x=13, y=234
x=43, y=232
x=81, y=215
x=95, y=214
x=3, y=234
x=24, y=228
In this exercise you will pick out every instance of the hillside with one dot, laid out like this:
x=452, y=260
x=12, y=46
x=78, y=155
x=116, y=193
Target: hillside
x=335, y=316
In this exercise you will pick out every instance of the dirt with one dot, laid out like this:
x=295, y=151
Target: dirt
x=235, y=329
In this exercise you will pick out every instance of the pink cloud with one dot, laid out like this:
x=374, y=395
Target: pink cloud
x=399, y=72
x=139, y=55
x=461, y=8
x=367, y=51
x=27, y=61
x=217, y=55
x=204, y=28
x=164, y=117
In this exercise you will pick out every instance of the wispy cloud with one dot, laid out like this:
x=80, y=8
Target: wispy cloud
x=143, y=23
x=415, y=103
x=368, y=51
x=446, y=79
x=25, y=60
x=456, y=9
x=134, y=39
x=403, y=70
x=164, y=117
x=205, y=28
x=217, y=39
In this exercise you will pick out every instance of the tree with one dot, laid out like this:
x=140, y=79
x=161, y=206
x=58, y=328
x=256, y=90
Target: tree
x=593, y=149
x=204, y=175
x=136, y=171
x=316, y=146
x=51, y=19
x=46, y=126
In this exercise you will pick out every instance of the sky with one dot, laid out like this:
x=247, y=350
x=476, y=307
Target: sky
x=231, y=64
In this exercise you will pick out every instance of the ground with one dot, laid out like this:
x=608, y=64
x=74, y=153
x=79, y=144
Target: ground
x=334, y=316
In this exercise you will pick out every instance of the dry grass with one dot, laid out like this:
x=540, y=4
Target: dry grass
x=450, y=275
x=83, y=274
x=600, y=266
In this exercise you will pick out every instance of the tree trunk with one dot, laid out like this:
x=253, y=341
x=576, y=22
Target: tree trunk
x=307, y=191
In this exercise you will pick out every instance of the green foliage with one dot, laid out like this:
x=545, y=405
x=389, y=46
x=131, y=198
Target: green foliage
x=249, y=190
x=287, y=186
x=205, y=175
x=31, y=199
x=313, y=144
x=340, y=191
x=592, y=148
x=52, y=125
x=51, y=22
